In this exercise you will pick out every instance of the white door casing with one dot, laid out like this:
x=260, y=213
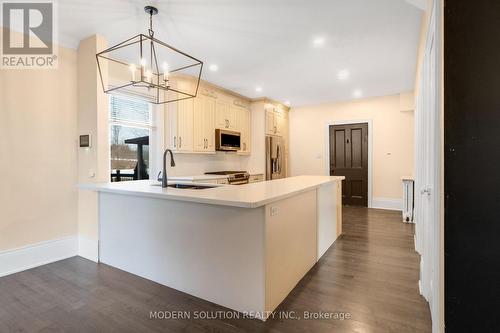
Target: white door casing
x=428, y=170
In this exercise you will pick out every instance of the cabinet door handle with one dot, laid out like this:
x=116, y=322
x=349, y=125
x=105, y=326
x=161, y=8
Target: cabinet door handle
x=175, y=141
x=180, y=142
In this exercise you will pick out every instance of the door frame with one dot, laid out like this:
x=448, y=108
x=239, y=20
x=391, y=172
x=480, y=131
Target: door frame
x=370, y=150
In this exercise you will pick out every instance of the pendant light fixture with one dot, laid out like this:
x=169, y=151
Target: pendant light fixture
x=146, y=68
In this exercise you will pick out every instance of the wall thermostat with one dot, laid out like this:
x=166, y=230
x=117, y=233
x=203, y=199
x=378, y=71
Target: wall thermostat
x=85, y=141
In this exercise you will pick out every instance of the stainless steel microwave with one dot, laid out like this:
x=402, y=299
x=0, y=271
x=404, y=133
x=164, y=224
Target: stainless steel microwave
x=227, y=140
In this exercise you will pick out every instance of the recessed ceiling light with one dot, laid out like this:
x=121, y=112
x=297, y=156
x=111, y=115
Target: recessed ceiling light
x=343, y=75
x=213, y=67
x=357, y=93
x=258, y=89
x=319, y=41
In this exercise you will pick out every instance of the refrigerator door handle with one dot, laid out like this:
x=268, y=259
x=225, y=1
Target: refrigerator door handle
x=269, y=162
x=281, y=159
x=278, y=158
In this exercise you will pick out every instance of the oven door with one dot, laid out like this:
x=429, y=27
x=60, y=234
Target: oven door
x=227, y=140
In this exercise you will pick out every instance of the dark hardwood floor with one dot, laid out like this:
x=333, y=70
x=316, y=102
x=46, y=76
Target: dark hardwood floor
x=371, y=273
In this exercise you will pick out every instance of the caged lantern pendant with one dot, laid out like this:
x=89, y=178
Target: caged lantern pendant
x=146, y=68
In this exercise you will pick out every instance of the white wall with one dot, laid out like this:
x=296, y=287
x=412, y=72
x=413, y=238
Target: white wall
x=93, y=162
x=392, y=140
x=38, y=149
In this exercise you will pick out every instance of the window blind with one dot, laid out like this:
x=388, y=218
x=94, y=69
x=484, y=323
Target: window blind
x=129, y=110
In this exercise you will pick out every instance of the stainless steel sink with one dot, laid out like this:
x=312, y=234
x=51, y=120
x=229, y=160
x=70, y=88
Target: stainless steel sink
x=187, y=186
x=191, y=186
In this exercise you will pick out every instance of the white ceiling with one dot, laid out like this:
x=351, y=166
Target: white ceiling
x=269, y=43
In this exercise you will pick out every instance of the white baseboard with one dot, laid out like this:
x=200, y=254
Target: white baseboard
x=88, y=248
x=26, y=257
x=387, y=203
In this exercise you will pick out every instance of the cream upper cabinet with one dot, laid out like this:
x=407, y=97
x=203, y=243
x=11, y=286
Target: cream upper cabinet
x=276, y=121
x=220, y=114
x=244, y=126
x=271, y=121
x=209, y=123
x=204, y=122
x=280, y=123
x=190, y=124
x=179, y=124
x=185, y=125
x=170, y=126
x=225, y=115
x=199, y=140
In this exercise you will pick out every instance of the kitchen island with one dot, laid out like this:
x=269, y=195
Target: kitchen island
x=244, y=247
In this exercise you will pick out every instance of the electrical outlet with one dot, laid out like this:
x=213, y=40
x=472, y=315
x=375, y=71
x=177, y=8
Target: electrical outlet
x=274, y=210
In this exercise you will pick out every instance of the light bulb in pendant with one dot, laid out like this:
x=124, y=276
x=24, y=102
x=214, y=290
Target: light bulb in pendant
x=148, y=76
x=132, y=70
x=165, y=71
x=143, y=68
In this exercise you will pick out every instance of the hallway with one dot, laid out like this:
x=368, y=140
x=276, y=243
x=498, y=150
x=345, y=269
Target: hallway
x=369, y=274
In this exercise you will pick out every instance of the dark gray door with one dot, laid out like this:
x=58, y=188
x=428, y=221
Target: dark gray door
x=349, y=158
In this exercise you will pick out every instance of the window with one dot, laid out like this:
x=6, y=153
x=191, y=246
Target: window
x=130, y=131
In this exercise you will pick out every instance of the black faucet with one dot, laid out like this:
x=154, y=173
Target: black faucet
x=164, y=182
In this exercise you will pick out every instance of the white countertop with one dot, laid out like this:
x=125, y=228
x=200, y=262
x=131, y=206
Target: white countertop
x=246, y=196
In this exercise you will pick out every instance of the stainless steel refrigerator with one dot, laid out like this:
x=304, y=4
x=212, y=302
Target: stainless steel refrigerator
x=275, y=157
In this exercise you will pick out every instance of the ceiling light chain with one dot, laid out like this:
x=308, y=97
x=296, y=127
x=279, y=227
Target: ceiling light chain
x=151, y=31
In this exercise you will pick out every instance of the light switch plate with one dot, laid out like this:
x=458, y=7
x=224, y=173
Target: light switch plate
x=274, y=210
x=85, y=141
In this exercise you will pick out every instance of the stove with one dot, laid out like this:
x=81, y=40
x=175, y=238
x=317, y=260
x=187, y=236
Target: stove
x=233, y=177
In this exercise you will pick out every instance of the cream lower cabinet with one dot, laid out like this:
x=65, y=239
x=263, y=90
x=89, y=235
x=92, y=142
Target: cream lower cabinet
x=204, y=122
x=256, y=178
